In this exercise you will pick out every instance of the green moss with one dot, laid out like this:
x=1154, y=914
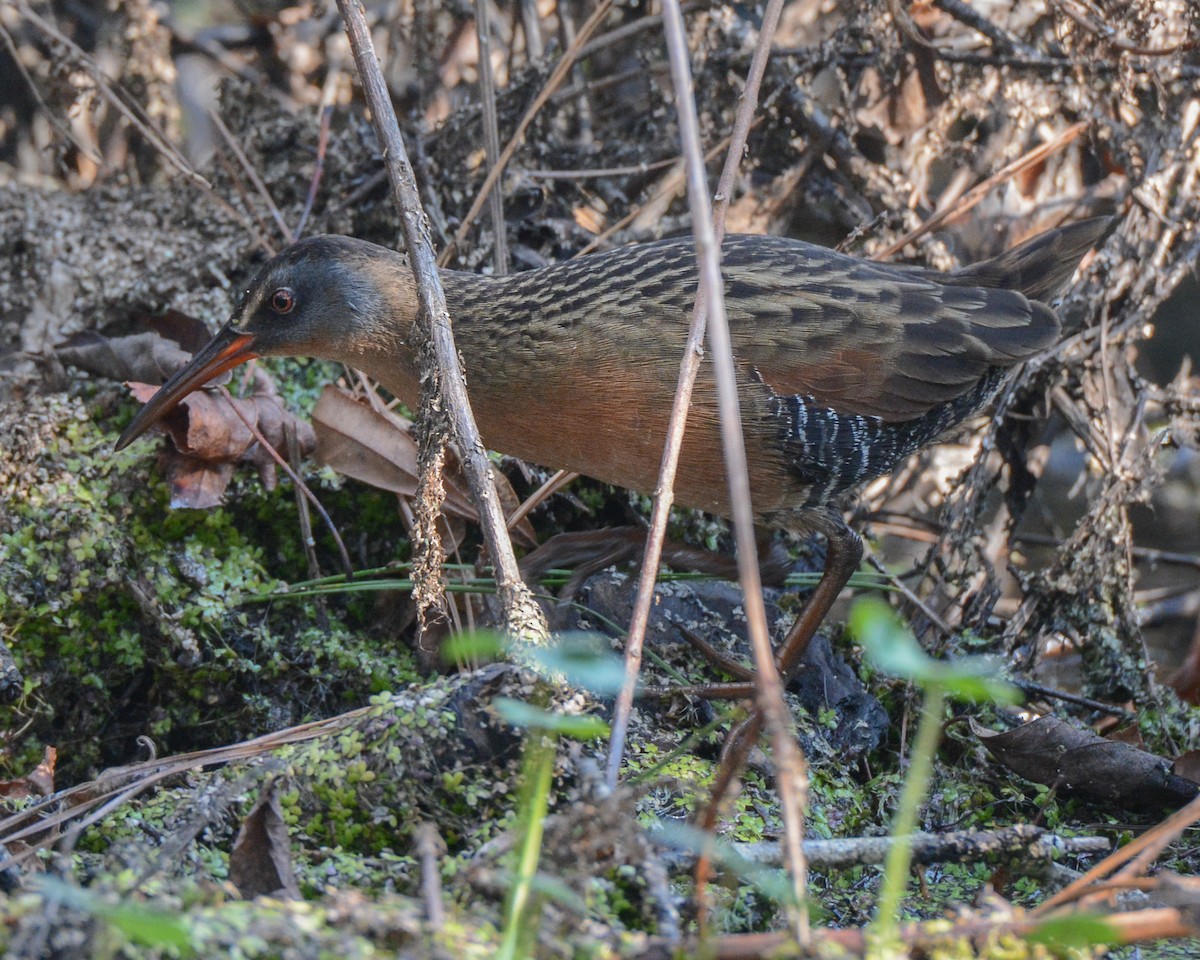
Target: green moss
x=124, y=615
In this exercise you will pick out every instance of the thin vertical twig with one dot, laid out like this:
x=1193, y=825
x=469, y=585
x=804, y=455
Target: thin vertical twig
x=430, y=848
x=347, y=566
x=248, y=168
x=556, y=78
x=328, y=95
x=532, y=28
x=710, y=299
x=689, y=368
x=491, y=133
x=583, y=108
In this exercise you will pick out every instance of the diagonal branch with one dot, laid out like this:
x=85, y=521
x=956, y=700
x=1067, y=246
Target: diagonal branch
x=522, y=616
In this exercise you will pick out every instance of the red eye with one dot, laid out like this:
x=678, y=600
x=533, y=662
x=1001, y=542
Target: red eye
x=283, y=300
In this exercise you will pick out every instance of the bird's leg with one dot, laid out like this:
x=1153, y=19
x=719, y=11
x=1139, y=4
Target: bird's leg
x=733, y=755
x=774, y=565
x=842, y=557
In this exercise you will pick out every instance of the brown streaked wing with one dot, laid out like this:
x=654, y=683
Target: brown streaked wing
x=867, y=338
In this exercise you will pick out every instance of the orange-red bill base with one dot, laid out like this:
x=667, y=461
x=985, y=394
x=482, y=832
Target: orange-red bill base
x=225, y=351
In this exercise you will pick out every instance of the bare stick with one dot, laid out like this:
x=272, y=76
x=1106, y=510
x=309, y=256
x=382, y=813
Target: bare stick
x=981, y=190
x=710, y=297
x=328, y=95
x=430, y=848
x=491, y=133
x=561, y=479
x=688, y=370
x=248, y=167
x=301, y=486
x=523, y=618
x=669, y=187
x=556, y=78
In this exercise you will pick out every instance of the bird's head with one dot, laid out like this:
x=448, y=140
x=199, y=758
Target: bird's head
x=335, y=298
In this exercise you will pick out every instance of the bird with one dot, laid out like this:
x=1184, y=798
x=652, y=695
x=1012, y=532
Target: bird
x=846, y=366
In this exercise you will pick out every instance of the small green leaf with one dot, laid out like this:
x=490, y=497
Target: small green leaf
x=887, y=641
x=480, y=645
x=521, y=714
x=892, y=647
x=1075, y=932
x=975, y=688
x=585, y=660
x=141, y=924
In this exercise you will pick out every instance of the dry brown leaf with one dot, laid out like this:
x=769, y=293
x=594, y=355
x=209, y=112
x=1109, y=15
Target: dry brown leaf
x=39, y=783
x=208, y=435
x=898, y=107
x=1061, y=755
x=195, y=484
x=209, y=438
x=1187, y=765
x=191, y=333
x=142, y=357
x=260, y=863
x=378, y=448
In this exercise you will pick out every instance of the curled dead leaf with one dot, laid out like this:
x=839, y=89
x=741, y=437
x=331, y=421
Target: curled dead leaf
x=1061, y=755
x=377, y=447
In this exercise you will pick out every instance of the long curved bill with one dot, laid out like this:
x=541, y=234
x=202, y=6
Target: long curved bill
x=225, y=351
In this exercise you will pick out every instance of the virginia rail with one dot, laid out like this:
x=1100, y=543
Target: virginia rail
x=846, y=366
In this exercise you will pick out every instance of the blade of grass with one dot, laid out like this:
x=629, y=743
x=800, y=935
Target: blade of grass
x=539, y=767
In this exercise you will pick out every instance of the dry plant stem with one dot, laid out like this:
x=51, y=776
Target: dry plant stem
x=491, y=135
x=1022, y=844
x=1149, y=554
x=305, y=518
x=561, y=479
x=532, y=28
x=1139, y=926
x=556, y=78
x=688, y=369
x=88, y=796
x=522, y=616
x=900, y=587
x=601, y=172
x=1106, y=33
x=981, y=190
x=1138, y=853
x=347, y=566
x=258, y=230
x=795, y=773
x=1001, y=40
x=626, y=31
x=248, y=167
x=671, y=187
x=430, y=847
x=215, y=50
x=791, y=781
x=327, y=99
x=583, y=107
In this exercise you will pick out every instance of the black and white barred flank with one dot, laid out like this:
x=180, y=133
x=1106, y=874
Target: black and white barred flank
x=834, y=452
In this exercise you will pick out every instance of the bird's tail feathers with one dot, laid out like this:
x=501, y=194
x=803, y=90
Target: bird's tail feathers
x=1041, y=266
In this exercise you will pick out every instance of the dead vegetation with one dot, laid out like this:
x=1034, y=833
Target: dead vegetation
x=935, y=132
